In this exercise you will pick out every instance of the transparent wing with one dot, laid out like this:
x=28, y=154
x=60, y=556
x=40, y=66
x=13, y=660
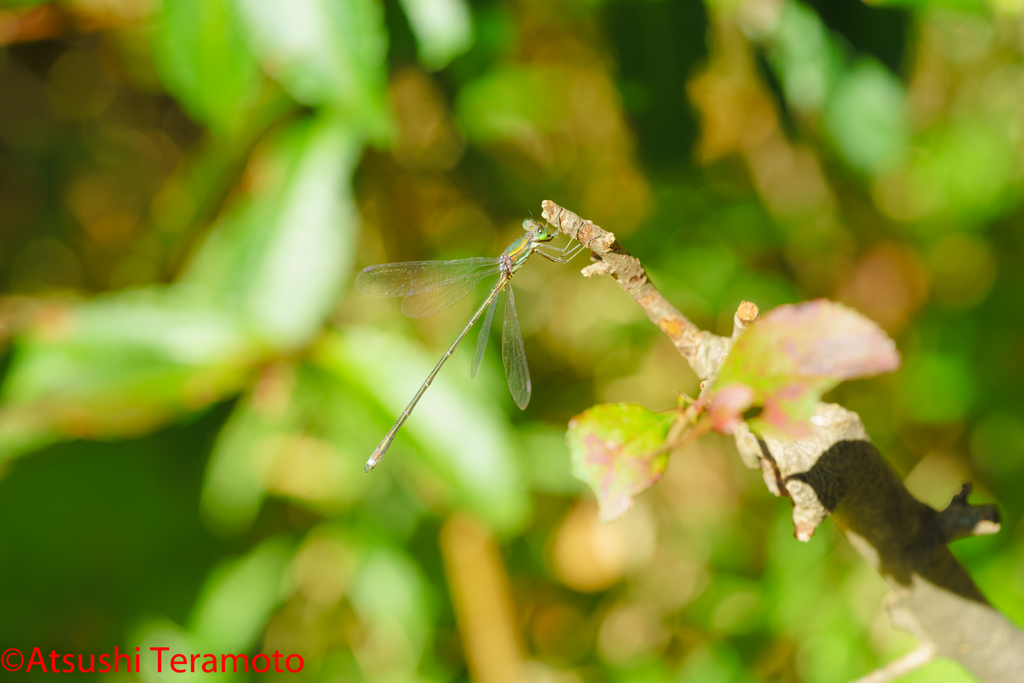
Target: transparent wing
x=434, y=299
x=481, y=340
x=410, y=277
x=429, y=287
x=513, y=354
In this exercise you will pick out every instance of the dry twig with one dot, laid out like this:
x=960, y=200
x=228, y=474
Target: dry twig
x=838, y=472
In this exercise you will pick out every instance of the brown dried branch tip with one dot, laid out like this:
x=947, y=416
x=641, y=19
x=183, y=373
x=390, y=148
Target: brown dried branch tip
x=745, y=314
x=702, y=350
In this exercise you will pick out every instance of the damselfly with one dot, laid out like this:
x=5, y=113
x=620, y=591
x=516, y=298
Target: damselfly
x=429, y=287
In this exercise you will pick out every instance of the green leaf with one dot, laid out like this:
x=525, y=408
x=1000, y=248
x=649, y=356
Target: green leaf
x=120, y=365
x=240, y=596
x=503, y=105
x=390, y=595
x=866, y=116
x=788, y=359
x=300, y=433
x=204, y=62
x=284, y=253
x=616, y=451
x=804, y=55
x=964, y=174
x=443, y=28
x=236, y=477
x=236, y=603
x=324, y=52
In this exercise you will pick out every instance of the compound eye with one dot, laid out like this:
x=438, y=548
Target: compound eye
x=526, y=224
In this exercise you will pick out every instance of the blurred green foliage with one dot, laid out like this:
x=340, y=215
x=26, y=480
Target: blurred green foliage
x=190, y=386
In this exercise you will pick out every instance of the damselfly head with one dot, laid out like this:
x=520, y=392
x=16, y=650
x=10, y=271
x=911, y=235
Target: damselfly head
x=539, y=232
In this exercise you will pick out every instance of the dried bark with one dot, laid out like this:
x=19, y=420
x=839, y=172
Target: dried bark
x=837, y=472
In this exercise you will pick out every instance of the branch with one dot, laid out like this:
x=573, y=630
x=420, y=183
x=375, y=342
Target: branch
x=960, y=519
x=900, y=667
x=838, y=472
x=702, y=350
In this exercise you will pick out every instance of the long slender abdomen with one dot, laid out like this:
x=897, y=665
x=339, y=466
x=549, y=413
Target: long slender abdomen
x=385, y=443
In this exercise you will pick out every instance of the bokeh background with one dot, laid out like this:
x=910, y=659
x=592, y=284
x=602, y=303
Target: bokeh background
x=190, y=384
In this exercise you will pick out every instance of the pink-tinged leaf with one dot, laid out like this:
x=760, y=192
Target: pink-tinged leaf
x=728, y=405
x=617, y=451
x=793, y=355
